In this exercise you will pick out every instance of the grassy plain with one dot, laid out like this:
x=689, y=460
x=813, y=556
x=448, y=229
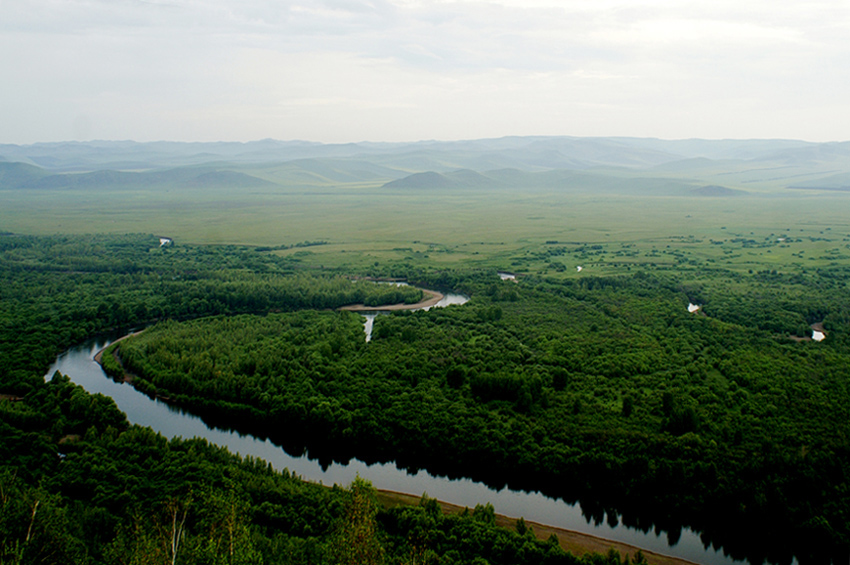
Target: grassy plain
x=515, y=230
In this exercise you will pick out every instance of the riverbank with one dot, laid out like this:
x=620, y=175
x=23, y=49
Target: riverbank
x=574, y=542
x=99, y=355
x=431, y=298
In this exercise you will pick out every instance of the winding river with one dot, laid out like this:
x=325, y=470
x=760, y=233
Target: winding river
x=78, y=364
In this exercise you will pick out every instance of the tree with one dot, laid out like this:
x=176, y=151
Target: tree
x=151, y=540
x=356, y=540
x=628, y=406
x=229, y=538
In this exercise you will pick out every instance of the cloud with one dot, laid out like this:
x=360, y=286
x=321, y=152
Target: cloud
x=424, y=69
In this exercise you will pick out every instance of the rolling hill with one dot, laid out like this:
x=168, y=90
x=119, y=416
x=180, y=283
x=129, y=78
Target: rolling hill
x=614, y=165
x=560, y=180
x=23, y=176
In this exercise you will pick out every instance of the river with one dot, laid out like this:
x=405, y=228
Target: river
x=78, y=364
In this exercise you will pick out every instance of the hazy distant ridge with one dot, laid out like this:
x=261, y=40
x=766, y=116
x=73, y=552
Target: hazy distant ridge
x=21, y=175
x=561, y=180
x=529, y=153
x=604, y=164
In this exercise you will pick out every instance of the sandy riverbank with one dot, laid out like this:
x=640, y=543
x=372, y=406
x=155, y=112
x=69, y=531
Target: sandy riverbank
x=99, y=355
x=575, y=542
x=431, y=298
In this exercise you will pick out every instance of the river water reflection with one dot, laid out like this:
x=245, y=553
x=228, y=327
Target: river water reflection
x=78, y=364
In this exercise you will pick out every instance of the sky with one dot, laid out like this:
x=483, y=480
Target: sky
x=339, y=71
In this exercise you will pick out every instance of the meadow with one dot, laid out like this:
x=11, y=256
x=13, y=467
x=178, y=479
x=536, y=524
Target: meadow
x=512, y=230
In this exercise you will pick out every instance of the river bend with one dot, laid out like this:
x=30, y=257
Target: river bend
x=78, y=364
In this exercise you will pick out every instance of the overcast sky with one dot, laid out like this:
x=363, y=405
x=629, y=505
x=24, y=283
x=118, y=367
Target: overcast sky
x=405, y=70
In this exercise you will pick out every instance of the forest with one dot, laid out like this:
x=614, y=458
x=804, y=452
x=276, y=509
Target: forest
x=80, y=484
x=601, y=389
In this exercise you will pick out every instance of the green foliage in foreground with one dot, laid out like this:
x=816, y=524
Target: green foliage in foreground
x=603, y=390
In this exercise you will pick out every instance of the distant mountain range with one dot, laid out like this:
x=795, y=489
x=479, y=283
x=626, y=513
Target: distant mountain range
x=609, y=164
x=22, y=175
x=527, y=153
x=557, y=179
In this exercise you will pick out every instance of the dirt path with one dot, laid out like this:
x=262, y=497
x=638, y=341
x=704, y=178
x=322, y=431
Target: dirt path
x=575, y=542
x=431, y=298
x=99, y=355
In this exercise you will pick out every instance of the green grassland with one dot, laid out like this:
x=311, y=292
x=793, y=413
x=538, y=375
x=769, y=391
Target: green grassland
x=493, y=203
x=516, y=230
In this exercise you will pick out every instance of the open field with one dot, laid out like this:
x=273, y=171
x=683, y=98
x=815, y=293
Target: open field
x=491, y=203
x=516, y=231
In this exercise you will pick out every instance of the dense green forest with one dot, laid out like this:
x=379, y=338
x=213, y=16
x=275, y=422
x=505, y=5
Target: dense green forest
x=603, y=390
x=606, y=391
x=79, y=484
